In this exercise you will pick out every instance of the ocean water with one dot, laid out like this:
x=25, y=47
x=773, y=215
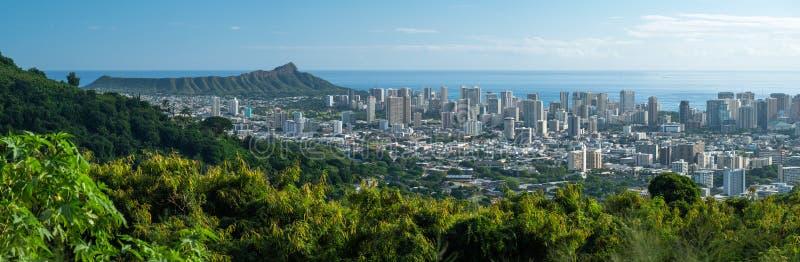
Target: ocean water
x=670, y=87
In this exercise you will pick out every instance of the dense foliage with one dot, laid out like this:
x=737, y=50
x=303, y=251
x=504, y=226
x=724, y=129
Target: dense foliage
x=110, y=125
x=175, y=208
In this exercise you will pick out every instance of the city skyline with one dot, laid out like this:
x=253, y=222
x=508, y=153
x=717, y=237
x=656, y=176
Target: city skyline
x=450, y=35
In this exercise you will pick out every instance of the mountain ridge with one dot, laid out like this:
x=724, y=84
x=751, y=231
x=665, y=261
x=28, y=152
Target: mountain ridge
x=282, y=81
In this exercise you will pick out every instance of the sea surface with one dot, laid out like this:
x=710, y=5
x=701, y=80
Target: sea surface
x=670, y=87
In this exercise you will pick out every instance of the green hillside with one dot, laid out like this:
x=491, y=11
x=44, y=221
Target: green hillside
x=283, y=81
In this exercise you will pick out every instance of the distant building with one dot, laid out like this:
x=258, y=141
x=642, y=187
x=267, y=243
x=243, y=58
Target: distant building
x=574, y=126
x=594, y=159
x=215, y=106
x=576, y=160
x=508, y=128
x=627, y=100
x=233, y=107
x=733, y=182
x=704, y=177
x=371, y=102
x=680, y=167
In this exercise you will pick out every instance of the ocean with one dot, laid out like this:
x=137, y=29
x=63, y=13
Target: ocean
x=670, y=87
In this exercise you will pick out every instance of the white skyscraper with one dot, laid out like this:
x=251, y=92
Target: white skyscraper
x=733, y=182
x=627, y=100
x=233, y=107
x=215, y=106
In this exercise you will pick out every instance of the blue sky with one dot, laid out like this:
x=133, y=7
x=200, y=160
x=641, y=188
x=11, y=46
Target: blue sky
x=404, y=35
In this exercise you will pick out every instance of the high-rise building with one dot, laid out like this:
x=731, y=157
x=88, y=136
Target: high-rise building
x=772, y=108
x=602, y=104
x=378, y=93
x=576, y=160
x=506, y=99
x=427, y=93
x=594, y=159
x=574, y=126
x=394, y=110
x=762, y=114
x=233, y=107
x=652, y=111
x=406, y=93
x=789, y=174
x=215, y=106
x=716, y=113
x=747, y=118
x=684, y=112
x=679, y=167
x=783, y=103
x=704, y=177
x=447, y=119
x=443, y=95
x=493, y=104
x=541, y=128
x=371, y=108
x=508, y=128
x=725, y=95
x=564, y=97
x=473, y=94
x=687, y=151
x=733, y=182
x=473, y=127
x=746, y=96
x=533, y=96
x=627, y=100
x=532, y=111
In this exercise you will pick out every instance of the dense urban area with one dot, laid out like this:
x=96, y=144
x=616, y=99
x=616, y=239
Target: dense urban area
x=483, y=142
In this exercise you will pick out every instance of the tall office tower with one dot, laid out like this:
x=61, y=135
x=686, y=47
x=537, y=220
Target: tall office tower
x=394, y=110
x=427, y=93
x=652, y=111
x=493, y=104
x=746, y=96
x=733, y=108
x=506, y=99
x=725, y=95
x=406, y=93
x=602, y=104
x=233, y=107
x=541, y=128
x=528, y=116
x=417, y=119
x=733, y=182
x=447, y=119
x=594, y=159
x=351, y=98
x=443, y=95
x=392, y=92
x=580, y=99
x=762, y=114
x=685, y=114
x=378, y=93
x=538, y=111
x=471, y=93
x=772, y=108
x=591, y=125
x=627, y=100
x=795, y=112
x=576, y=160
x=747, y=118
x=716, y=113
x=533, y=96
x=564, y=100
x=688, y=151
x=215, y=106
x=784, y=103
x=583, y=111
x=508, y=128
x=371, y=108
x=573, y=126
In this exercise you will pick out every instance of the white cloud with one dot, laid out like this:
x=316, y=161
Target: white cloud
x=585, y=47
x=235, y=27
x=408, y=30
x=723, y=36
